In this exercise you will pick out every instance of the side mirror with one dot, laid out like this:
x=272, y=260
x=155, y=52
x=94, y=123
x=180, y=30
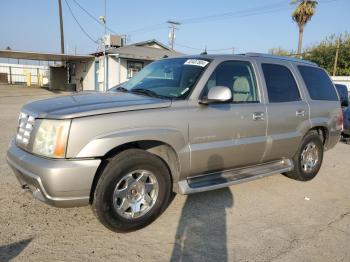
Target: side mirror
x=217, y=94
x=344, y=102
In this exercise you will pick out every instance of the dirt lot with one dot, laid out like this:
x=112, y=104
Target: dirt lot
x=272, y=219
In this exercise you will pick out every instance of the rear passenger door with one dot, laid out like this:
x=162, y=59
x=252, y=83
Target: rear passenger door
x=287, y=111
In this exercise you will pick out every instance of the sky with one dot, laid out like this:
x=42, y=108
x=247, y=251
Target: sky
x=219, y=26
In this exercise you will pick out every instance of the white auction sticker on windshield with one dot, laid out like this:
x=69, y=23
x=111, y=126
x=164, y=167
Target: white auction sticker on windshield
x=196, y=62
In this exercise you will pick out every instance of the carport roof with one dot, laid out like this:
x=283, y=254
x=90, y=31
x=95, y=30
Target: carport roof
x=43, y=56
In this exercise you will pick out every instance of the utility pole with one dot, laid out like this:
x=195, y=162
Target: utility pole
x=105, y=60
x=172, y=26
x=61, y=25
x=336, y=57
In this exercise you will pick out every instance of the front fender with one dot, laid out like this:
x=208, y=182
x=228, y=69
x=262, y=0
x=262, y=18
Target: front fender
x=102, y=144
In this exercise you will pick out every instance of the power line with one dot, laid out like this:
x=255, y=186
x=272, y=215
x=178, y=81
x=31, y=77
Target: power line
x=92, y=16
x=146, y=28
x=201, y=49
x=183, y=21
x=264, y=9
x=80, y=26
x=220, y=16
x=189, y=47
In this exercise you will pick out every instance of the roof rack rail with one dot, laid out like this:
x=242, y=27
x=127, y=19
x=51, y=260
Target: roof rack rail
x=286, y=58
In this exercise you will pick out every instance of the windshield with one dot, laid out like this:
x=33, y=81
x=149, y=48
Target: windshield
x=169, y=78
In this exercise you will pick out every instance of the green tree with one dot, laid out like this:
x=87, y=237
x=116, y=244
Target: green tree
x=301, y=15
x=280, y=52
x=323, y=54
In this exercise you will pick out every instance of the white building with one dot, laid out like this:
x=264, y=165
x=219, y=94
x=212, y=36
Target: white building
x=83, y=72
x=122, y=63
x=344, y=80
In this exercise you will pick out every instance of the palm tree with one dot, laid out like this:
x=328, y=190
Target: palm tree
x=301, y=15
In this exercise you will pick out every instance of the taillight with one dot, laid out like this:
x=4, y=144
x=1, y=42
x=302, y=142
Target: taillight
x=340, y=120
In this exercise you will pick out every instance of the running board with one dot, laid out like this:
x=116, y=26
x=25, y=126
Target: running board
x=231, y=177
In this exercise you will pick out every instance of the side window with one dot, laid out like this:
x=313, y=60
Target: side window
x=280, y=83
x=239, y=77
x=318, y=83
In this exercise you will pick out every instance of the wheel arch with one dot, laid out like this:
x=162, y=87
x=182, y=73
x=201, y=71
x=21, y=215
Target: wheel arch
x=159, y=148
x=322, y=131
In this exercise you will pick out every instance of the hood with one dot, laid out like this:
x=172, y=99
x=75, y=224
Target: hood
x=87, y=104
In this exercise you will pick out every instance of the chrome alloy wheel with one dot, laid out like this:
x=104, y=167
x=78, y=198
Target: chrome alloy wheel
x=135, y=194
x=309, y=157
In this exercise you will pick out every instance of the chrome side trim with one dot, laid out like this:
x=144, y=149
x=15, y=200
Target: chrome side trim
x=242, y=175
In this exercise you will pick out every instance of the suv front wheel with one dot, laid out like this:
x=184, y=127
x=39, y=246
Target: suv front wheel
x=133, y=190
x=308, y=158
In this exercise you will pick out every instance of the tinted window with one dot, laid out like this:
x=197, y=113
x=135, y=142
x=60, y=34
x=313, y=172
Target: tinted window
x=280, y=83
x=318, y=83
x=239, y=77
x=342, y=91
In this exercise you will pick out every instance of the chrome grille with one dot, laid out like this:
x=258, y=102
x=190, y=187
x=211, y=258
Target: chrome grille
x=25, y=127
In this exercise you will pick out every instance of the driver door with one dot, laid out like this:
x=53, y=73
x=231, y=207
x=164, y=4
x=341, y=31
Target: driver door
x=229, y=135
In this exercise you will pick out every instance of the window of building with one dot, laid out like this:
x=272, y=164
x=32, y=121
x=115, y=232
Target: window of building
x=239, y=77
x=280, y=83
x=318, y=83
x=133, y=68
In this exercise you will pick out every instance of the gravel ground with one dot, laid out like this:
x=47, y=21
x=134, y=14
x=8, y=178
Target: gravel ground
x=272, y=219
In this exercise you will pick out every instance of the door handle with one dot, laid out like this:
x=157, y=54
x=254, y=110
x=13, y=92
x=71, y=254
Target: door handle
x=300, y=113
x=258, y=116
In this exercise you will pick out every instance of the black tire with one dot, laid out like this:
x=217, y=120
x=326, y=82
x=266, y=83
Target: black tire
x=116, y=169
x=299, y=173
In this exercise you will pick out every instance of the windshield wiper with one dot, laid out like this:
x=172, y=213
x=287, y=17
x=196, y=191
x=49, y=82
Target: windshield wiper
x=122, y=89
x=147, y=92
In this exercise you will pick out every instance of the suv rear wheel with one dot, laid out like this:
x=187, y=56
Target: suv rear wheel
x=308, y=159
x=133, y=190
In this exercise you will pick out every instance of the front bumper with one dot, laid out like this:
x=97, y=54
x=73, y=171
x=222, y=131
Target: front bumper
x=60, y=183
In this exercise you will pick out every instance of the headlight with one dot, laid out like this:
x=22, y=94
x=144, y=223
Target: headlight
x=51, y=138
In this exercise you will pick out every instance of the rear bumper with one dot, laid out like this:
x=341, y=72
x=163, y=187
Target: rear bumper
x=333, y=139
x=60, y=183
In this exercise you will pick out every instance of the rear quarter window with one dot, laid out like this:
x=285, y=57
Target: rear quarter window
x=318, y=83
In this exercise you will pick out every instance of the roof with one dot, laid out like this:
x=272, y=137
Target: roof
x=146, y=50
x=286, y=58
x=152, y=41
x=141, y=52
x=252, y=55
x=43, y=56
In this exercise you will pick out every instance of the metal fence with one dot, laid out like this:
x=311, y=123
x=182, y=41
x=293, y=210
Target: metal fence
x=24, y=74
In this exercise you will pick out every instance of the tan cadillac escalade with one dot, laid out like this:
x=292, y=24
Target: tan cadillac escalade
x=182, y=125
